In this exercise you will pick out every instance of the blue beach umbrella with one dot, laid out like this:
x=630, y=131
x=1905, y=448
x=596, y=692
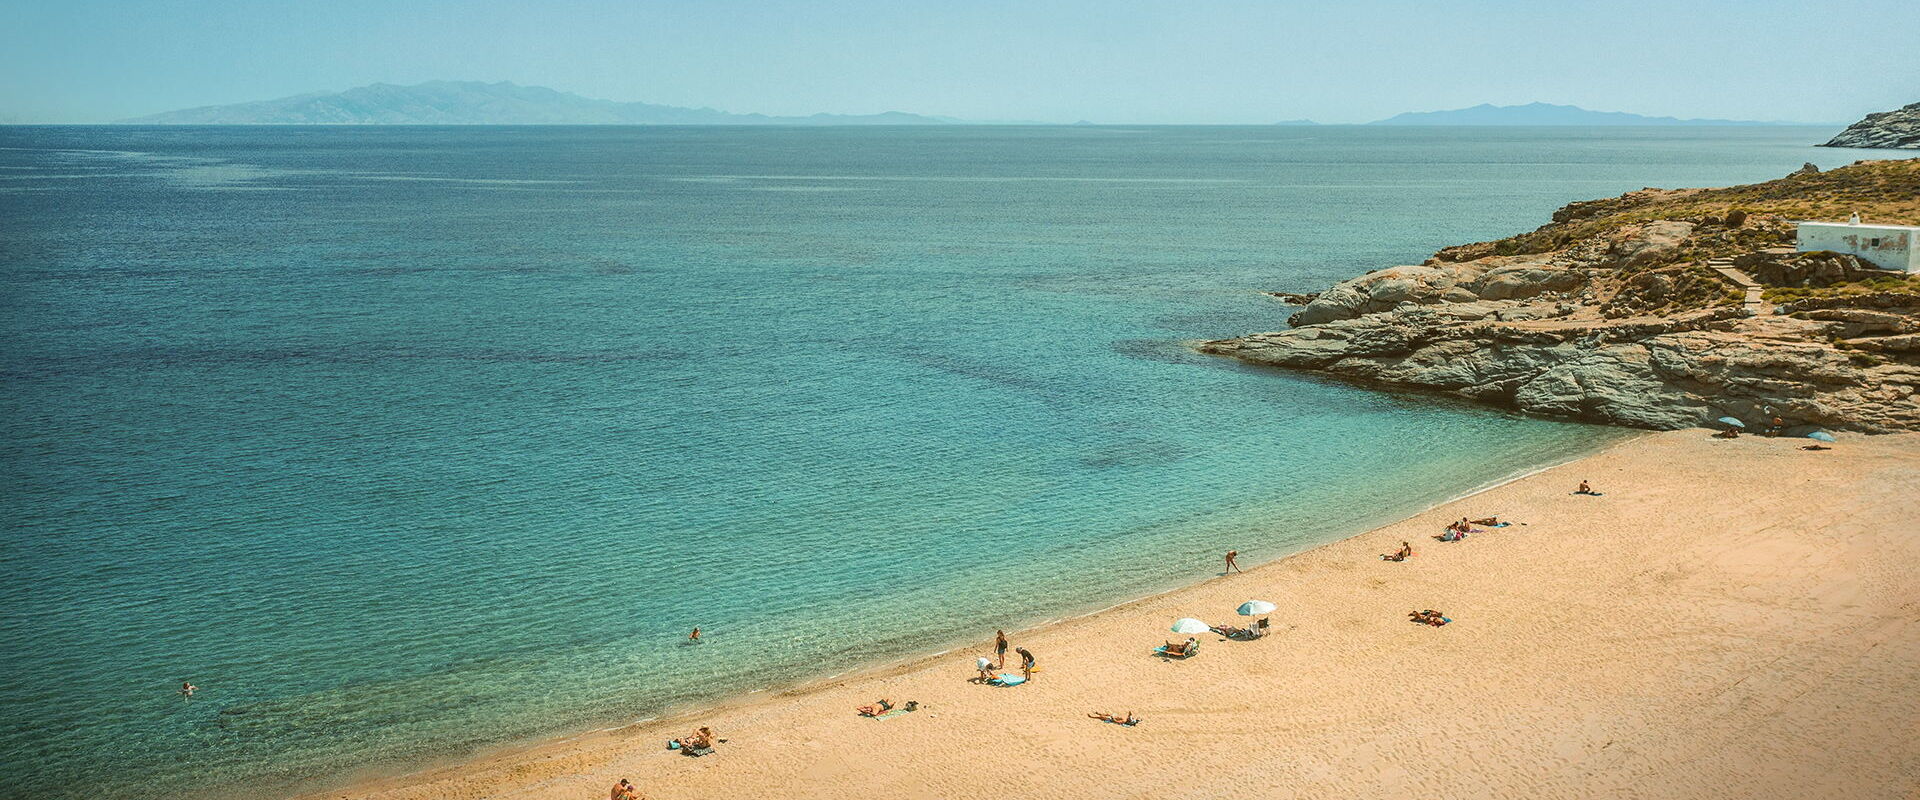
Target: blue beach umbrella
x=1731, y=421
x=1820, y=436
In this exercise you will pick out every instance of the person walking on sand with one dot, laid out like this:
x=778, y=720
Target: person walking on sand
x=1232, y=565
x=1000, y=649
x=1026, y=662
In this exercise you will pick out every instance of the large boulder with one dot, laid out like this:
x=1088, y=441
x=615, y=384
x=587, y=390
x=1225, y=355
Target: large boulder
x=1649, y=243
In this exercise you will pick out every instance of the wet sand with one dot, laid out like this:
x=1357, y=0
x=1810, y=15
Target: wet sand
x=1730, y=619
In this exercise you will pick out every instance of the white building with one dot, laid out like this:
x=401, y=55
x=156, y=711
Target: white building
x=1884, y=246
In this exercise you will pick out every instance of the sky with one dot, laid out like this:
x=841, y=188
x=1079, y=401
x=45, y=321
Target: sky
x=1182, y=61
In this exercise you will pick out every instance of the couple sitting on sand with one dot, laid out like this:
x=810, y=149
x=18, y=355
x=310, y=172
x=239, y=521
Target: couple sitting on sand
x=1428, y=617
x=1129, y=720
x=700, y=743
x=1398, y=555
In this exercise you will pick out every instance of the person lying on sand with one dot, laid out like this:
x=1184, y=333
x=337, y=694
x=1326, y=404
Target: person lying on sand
x=1730, y=433
x=1129, y=720
x=1488, y=521
x=877, y=709
x=1182, y=648
x=1428, y=617
x=1816, y=447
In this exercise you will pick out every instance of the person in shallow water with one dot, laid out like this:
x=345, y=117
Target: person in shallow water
x=1000, y=648
x=694, y=636
x=1231, y=564
x=1026, y=662
x=187, y=689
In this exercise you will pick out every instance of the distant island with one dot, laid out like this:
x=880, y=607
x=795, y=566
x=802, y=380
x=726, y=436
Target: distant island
x=477, y=103
x=1896, y=129
x=1543, y=114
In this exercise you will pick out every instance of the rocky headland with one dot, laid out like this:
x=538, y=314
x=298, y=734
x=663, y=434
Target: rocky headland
x=1656, y=309
x=1898, y=129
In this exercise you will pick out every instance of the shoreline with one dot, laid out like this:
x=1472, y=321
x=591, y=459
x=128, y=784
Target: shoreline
x=1548, y=630
x=379, y=781
x=1602, y=648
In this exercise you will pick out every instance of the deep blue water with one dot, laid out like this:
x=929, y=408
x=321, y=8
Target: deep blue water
x=402, y=442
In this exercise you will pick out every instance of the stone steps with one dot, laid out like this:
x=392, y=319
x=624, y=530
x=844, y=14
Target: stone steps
x=1742, y=281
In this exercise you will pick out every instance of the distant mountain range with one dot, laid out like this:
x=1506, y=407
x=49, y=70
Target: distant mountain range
x=1544, y=114
x=476, y=103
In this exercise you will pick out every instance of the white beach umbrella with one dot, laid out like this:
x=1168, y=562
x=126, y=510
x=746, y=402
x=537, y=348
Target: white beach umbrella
x=1254, y=608
x=1190, y=625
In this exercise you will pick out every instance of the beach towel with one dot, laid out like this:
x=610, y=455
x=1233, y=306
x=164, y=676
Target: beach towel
x=1009, y=680
x=894, y=713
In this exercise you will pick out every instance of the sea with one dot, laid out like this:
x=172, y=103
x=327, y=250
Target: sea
x=407, y=443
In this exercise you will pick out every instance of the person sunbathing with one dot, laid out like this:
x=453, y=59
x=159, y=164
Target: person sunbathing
x=700, y=740
x=1585, y=488
x=1428, y=617
x=1816, y=447
x=1182, y=648
x=877, y=709
x=1729, y=433
x=1397, y=555
x=1488, y=521
x=1129, y=720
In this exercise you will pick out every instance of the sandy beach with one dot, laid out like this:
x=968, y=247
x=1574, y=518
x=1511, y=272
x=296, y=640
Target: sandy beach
x=1729, y=619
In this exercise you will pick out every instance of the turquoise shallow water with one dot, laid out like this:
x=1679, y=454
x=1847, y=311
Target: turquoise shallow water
x=405, y=442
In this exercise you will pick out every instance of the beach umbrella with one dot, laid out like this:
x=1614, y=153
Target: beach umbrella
x=1253, y=608
x=1731, y=421
x=1190, y=625
x=1820, y=436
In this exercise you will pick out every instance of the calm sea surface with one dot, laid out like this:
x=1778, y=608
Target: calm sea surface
x=405, y=442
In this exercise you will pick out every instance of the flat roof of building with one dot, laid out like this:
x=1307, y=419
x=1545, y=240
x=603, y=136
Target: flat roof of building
x=1857, y=225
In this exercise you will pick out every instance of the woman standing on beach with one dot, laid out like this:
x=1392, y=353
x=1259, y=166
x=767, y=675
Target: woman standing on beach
x=1000, y=648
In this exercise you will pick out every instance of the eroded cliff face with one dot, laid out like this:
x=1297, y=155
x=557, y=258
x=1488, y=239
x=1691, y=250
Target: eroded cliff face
x=1631, y=323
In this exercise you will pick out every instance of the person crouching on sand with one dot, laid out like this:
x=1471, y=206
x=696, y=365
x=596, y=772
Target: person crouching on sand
x=1026, y=662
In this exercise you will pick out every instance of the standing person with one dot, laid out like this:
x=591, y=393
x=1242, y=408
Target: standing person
x=1026, y=662
x=695, y=636
x=1231, y=564
x=1000, y=649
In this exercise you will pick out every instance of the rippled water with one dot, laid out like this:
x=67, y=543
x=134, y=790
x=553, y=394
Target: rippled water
x=401, y=442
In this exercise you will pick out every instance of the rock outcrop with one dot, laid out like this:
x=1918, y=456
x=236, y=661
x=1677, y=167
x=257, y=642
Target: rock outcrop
x=1624, y=323
x=1899, y=129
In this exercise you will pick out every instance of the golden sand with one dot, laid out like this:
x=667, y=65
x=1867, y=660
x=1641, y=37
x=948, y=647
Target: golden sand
x=1731, y=619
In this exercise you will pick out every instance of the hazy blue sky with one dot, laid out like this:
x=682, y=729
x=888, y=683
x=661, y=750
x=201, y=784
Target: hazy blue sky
x=1186, y=61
